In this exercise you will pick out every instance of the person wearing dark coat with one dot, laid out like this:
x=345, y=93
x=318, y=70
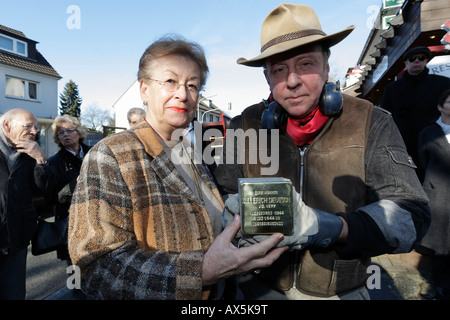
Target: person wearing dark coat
x=412, y=99
x=69, y=135
x=24, y=174
x=434, y=156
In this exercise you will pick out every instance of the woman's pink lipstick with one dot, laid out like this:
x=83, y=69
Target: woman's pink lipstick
x=177, y=109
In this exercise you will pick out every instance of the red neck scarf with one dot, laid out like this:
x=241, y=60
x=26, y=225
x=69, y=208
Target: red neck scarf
x=304, y=130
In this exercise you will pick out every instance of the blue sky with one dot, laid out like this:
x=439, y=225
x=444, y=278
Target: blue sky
x=102, y=55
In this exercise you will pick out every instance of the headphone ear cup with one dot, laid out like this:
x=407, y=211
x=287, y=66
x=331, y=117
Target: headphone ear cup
x=274, y=117
x=331, y=99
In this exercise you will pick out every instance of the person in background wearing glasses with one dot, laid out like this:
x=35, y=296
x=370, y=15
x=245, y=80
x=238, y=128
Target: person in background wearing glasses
x=69, y=135
x=24, y=173
x=412, y=99
x=145, y=219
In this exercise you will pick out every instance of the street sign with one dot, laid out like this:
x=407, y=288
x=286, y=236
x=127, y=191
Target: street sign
x=390, y=4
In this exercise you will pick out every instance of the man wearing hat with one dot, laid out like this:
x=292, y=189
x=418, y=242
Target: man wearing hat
x=413, y=99
x=356, y=194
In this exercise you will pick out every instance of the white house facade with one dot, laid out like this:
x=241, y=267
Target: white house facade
x=128, y=100
x=29, y=82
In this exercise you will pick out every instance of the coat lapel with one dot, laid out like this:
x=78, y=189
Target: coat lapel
x=161, y=164
x=165, y=169
x=442, y=142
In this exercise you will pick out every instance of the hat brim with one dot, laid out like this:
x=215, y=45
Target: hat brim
x=329, y=41
x=417, y=50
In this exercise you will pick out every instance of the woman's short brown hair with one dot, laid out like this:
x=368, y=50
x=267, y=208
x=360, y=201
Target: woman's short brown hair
x=173, y=45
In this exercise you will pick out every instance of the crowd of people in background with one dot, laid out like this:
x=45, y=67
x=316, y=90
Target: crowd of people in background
x=140, y=207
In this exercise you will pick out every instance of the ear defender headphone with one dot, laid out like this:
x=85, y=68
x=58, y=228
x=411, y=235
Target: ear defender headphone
x=275, y=117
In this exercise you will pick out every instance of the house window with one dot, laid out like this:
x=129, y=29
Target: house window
x=13, y=45
x=6, y=43
x=20, y=48
x=20, y=88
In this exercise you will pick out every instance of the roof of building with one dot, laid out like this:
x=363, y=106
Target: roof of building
x=13, y=31
x=39, y=64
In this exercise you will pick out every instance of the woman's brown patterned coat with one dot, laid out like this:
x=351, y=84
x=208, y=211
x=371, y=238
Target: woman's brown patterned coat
x=136, y=229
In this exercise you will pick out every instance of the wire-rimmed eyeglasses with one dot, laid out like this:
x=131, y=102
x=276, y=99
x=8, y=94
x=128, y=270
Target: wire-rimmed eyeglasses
x=60, y=133
x=30, y=126
x=172, y=85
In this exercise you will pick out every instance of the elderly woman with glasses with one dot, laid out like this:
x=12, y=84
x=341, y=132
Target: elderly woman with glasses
x=145, y=220
x=69, y=135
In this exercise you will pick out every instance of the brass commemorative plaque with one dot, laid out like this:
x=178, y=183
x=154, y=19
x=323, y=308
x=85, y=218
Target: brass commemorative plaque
x=266, y=206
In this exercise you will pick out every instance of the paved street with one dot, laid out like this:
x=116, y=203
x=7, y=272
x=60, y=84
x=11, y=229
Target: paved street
x=401, y=279
x=404, y=277
x=45, y=275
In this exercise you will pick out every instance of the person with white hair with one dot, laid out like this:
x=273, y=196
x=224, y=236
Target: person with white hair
x=24, y=173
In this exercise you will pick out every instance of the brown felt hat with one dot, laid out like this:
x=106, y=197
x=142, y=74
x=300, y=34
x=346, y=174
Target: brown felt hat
x=290, y=26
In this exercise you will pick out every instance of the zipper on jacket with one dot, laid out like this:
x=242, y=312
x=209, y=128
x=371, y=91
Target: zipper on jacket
x=302, y=151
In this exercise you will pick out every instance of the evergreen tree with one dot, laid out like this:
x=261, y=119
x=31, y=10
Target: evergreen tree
x=70, y=100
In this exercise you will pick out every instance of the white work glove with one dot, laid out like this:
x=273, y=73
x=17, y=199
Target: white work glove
x=311, y=227
x=232, y=207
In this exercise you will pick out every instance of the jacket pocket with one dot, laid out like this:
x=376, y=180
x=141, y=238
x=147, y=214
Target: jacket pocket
x=347, y=275
x=400, y=156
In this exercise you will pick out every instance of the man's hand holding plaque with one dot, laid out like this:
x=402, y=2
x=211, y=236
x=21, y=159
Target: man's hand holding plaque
x=311, y=227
